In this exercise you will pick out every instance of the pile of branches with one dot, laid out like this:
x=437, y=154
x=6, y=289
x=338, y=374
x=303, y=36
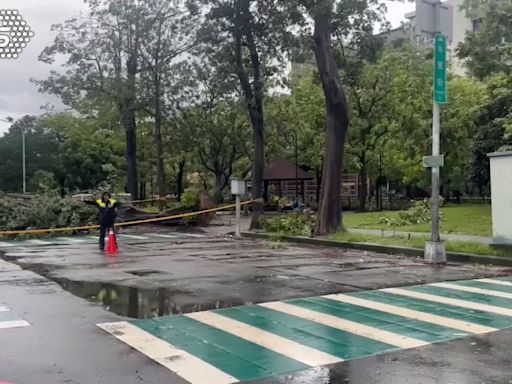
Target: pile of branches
x=43, y=211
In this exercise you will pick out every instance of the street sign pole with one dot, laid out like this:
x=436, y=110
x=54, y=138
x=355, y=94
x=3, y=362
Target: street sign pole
x=435, y=251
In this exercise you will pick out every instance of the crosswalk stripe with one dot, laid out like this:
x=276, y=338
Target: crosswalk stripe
x=13, y=324
x=412, y=314
x=450, y=301
x=496, y=281
x=347, y=325
x=134, y=237
x=481, y=291
x=40, y=242
x=4, y=244
x=281, y=345
x=189, y=367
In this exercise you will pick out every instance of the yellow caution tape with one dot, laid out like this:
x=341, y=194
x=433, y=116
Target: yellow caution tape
x=127, y=223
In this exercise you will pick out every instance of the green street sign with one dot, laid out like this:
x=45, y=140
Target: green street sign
x=440, y=96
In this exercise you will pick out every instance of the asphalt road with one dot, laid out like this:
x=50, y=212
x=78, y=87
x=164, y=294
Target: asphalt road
x=56, y=288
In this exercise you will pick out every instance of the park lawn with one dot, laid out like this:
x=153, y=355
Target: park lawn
x=457, y=219
x=419, y=243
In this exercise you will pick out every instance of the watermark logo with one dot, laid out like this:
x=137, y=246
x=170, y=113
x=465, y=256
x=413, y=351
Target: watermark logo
x=14, y=34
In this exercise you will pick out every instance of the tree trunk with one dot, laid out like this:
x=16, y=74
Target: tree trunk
x=318, y=184
x=363, y=191
x=128, y=120
x=253, y=94
x=258, y=167
x=179, y=179
x=160, y=169
x=217, y=188
x=130, y=126
x=337, y=120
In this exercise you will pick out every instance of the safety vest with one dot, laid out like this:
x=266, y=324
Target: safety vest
x=101, y=204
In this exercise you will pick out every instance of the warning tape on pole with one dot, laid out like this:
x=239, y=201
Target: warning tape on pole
x=126, y=223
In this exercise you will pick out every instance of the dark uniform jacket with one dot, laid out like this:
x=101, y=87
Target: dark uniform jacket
x=108, y=211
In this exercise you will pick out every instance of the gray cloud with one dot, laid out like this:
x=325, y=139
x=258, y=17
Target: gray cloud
x=18, y=96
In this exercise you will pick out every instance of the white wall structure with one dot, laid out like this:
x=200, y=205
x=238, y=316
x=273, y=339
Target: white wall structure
x=501, y=193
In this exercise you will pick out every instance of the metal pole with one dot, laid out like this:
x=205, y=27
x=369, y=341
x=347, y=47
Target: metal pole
x=238, y=225
x=436, y=131
x=24, y=165
x=296, y=167
x=435, y=250
x=379, y=191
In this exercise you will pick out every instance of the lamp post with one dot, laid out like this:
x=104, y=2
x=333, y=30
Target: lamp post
x=291, y=138
x=23, y=154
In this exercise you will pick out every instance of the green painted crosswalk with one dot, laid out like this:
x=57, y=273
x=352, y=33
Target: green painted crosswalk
x=90, y=239
x=260, y=341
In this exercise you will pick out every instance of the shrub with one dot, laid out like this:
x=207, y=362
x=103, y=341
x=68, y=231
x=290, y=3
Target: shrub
x=419, y=213
x=189, y=200
x=294, y=224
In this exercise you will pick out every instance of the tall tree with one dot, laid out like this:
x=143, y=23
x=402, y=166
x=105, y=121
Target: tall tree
x=246, y=40
x=103, y=62
x=170, y=35
x=348, y=22
x=487, y=50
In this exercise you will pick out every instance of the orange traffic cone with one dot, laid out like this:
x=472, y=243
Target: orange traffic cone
x=111, y=245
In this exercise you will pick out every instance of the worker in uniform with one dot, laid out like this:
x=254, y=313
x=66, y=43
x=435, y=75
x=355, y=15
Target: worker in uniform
x=108, y=213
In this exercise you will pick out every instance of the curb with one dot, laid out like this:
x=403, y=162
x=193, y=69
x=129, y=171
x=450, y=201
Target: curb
x=387, y=249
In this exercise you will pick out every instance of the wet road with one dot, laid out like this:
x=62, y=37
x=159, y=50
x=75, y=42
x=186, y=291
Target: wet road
x=155, y=277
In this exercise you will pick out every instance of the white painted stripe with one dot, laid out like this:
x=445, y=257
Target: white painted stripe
x=165, y=236
x=194, y=235
x=281, y=345
x=13, y=324
x=450, y=301
x=347, y=325
x=71, y=240
x=496, y=281
x=413, y=314
x=3, y=308
x=481, y=291
x=189, y=367
x=4, y=244
x=93, y=237
x=134, y=237
x=40, y=242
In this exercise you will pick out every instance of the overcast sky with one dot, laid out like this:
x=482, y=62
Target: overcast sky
x=19, y=97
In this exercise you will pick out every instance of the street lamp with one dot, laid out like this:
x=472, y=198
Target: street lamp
x=291, y=138
x=23, y=154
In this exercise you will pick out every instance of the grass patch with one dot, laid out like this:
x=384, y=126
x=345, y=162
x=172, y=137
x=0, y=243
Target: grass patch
x=419, y=243
x=473, y=220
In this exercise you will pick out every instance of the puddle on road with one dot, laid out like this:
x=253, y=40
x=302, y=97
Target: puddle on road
x=129, y=301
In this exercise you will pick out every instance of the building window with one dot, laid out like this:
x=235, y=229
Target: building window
x=477, y=25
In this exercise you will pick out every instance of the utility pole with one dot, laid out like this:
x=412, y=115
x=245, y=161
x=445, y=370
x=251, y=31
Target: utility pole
x=24, y=161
